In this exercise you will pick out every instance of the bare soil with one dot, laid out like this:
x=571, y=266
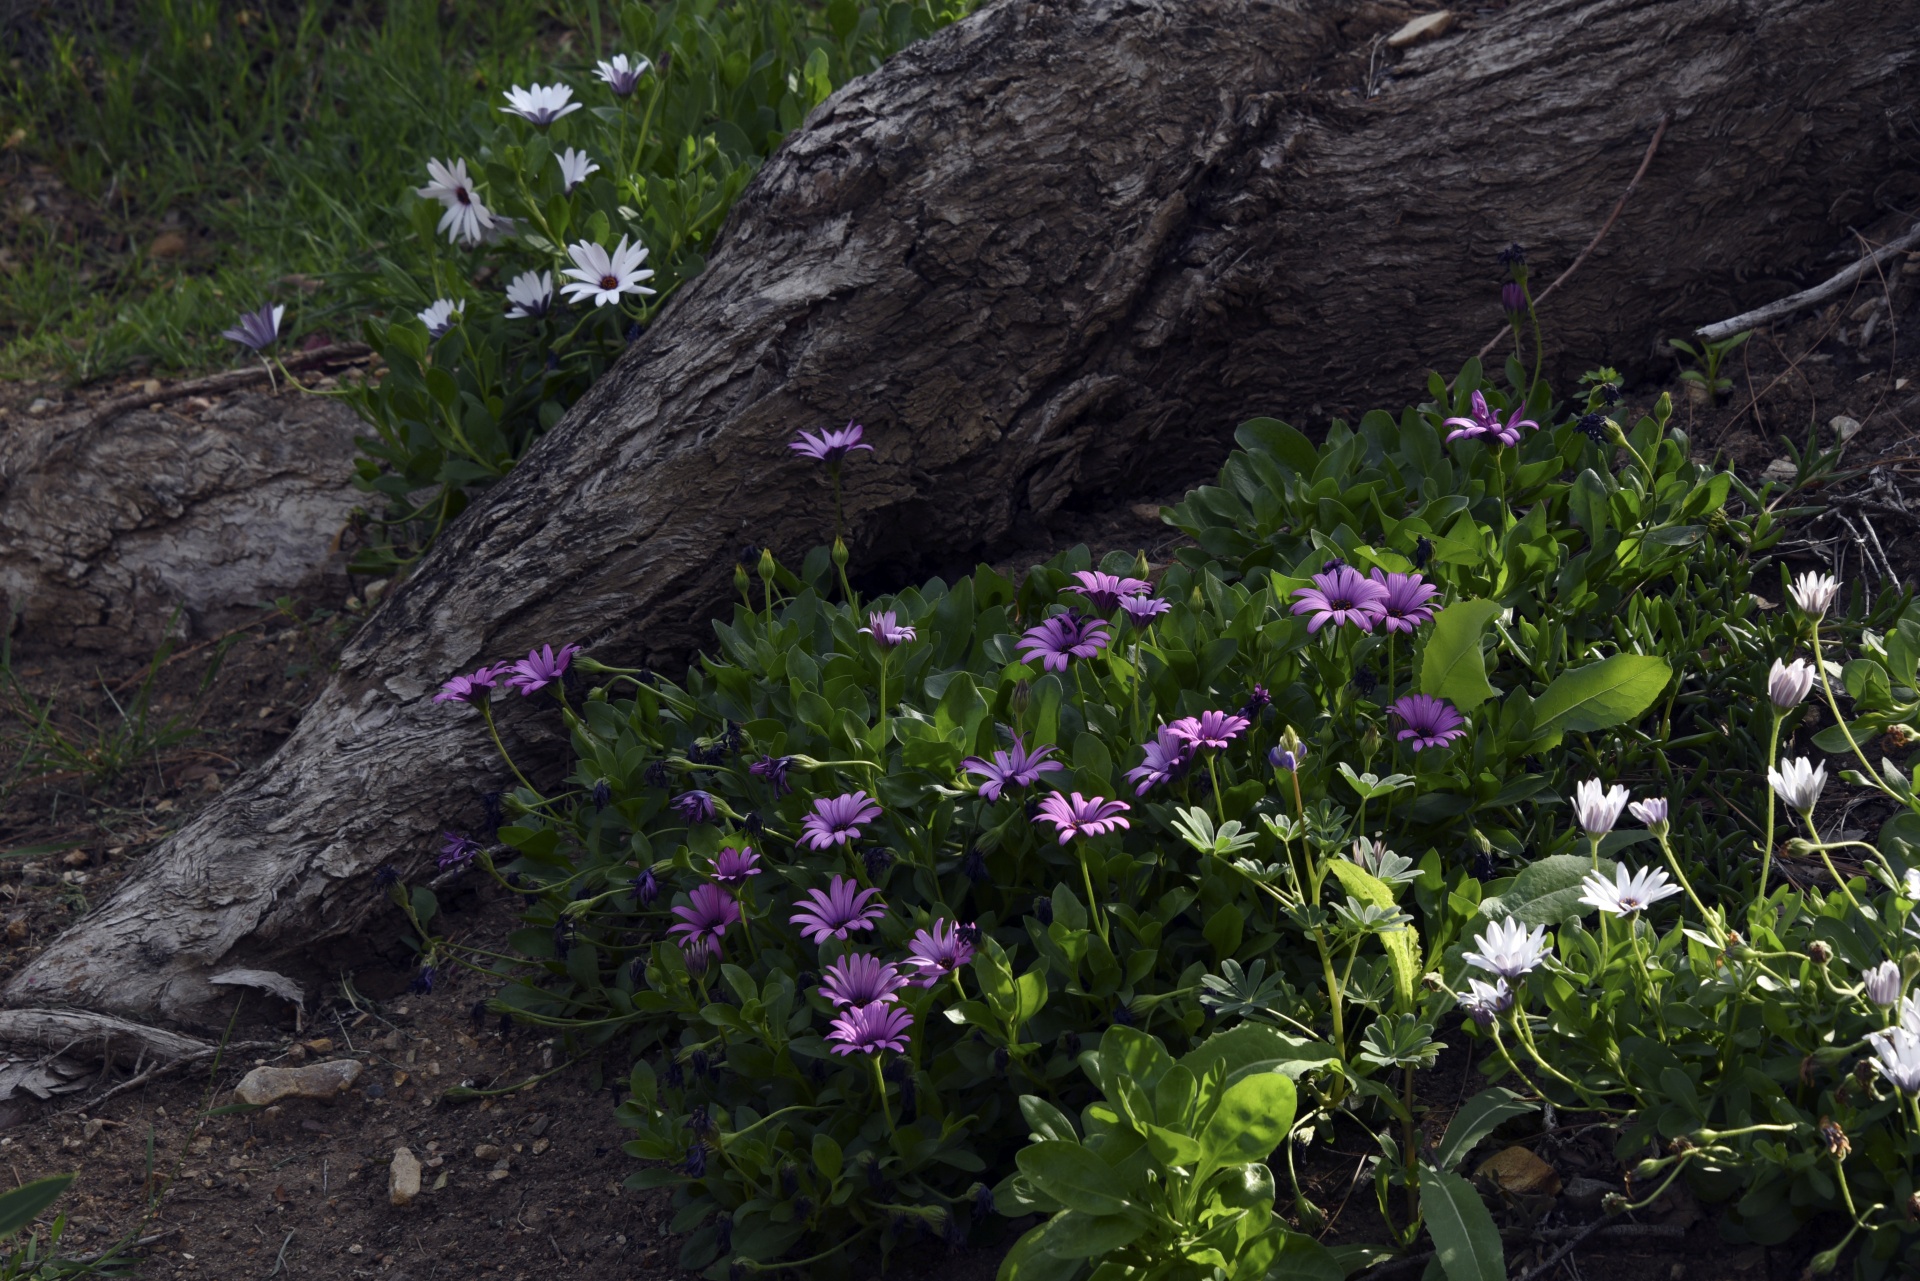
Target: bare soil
x=301, y=1189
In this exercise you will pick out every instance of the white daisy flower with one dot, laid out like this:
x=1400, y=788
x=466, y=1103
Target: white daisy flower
x=604, y=277
x=1799, y=783
x=1652, y=812
x=530, y=295
x=1625, y=894
x=574, y=167
x=1485, y=1001
x=1883, y=984
x=1598, y=808
x=440, y=316
x=1814, y=593
x=256, y=330
x=1788, y=683
x=1508, y=949
x=466, y=219
x=1897, y=1052
x=621, y=74
x=541, y=104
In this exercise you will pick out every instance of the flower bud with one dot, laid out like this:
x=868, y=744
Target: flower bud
x=1913, y=1208
x=766, y=567
x=1513, y=299
x=741, y=583
x=1614, y=1203
x=1789, y=683
x=1819, y=952
x=1883, y=984
x=1022, y=696
x=840, y=553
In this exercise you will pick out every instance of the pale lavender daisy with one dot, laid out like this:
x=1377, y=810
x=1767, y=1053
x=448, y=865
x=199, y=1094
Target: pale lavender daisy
x=705, y=919
x=256, y=330
x=1428, y=721
x=1141, y=610
x=474, y=687
x=465, y=219
x=1508, y=949
x=1485, y=423
x=1165, y=759
x=1209, y=729
x=886, y=632
x=621, y=72
x=940, y=951
x=540, y=105
x=605, y=277
x=530, y=295
x=575, y=165
x=832, y=444
x=1406, y=605
x=440, y=315
x=1105, y=591
x=539, y=669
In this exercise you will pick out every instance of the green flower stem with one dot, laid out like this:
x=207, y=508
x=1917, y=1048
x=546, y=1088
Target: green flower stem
x=1513, y=1065
x=1773, y=761
x=1333, y=994
x=1213, y=773
x=880, y=1083
x=486, y=711
x=1831, y=871
x=1826, y=685
x=1093, y=905
x=1533, y=1051
x=1712, y=920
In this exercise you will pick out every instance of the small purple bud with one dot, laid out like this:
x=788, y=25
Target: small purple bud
x=697, y=1160
x=1513, y=299
x=645, y=888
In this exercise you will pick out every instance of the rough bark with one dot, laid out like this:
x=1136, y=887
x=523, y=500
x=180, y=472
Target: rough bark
x=1059, y=248
x=108, y=525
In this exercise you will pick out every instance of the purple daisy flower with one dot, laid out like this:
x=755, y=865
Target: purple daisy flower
x=539, y=669
x=1082, y=816
x=1406, y=605
x=939, y=952
x=859, y=979
x=1340, y=596
x=1016, y=767
x=474, y=687
x=1168, y=756
x=733, y=866
x=1209, y=729
x=1485, y=422
x=1143, y=609
x=1429, y=721
x=869, y=1029
x=832, y=445
x=836, y=820
x=695, y=806
x=710, y=910
x=774, y=770
x=1062, y=639
x=457, y=849
x=837, y=910
x=1105, y=591
x=885, y=632
x=1258, y=701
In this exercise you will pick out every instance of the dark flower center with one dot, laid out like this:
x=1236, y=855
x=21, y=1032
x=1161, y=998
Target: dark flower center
x=460, y=194
x=609, y=282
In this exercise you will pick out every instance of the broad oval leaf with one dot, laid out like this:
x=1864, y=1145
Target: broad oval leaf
x=1073, y=1235
x=1547, y=891
x=1600, y=695
x=1452, y=668
x=1252, y=1120
x=1073, y=1176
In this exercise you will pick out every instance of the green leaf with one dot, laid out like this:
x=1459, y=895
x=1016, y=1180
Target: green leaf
x=1481, y=1115
x=1252, y=1120
x=1464, y=1237
x=1073, y=1176
x=1073, y=1235
x=1600, y=695
x=826, y=1155
x=1030, y=1261
x=1547, y=891
x=1452, y=668
x=21, y=1206
x=1225, y=929
x=1402, y=945
x=1301, y=1258
x=1046, y=1120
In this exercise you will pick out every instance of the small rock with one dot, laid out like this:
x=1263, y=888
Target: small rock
x=76, y=858
x=495, y=1175
x=1518, y=1171
x=1424, y=27
x=91, y=1130
x=1583, y=1193
x=151, y=387
x=168, y=244
x=403, y=1177
x=1780, y=470
x=40, y=405
x=541, y=1145
x=540, y=1124
x=486, y=1152
x=1844, y=428
x=266, y=1085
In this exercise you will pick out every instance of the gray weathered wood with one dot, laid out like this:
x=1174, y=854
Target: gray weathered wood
x=1055, y=252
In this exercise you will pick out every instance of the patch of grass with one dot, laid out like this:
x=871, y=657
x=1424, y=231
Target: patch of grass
x=173, y=161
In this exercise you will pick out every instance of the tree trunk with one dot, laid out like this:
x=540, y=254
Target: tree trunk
x=1053, y=253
